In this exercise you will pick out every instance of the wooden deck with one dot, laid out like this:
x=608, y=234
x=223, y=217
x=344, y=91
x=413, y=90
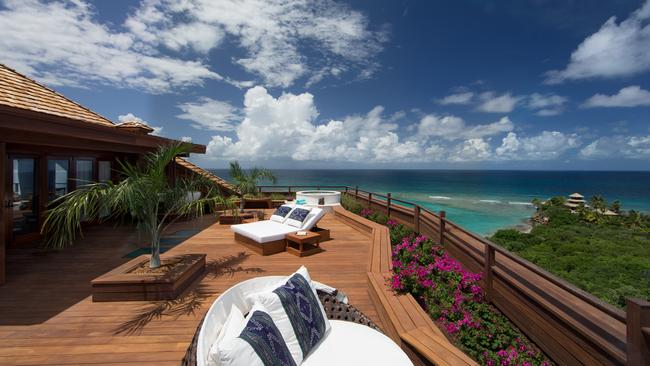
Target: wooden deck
x=47, y=316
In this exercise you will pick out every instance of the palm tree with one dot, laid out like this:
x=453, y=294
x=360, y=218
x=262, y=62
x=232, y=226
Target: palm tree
x=146, y=194
x=598, y=203
x=616, y=206
x=246, y=182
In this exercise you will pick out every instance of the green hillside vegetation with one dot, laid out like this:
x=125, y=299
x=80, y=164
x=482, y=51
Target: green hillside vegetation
x=608, y=256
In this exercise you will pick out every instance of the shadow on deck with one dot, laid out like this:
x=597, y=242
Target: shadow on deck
x=47, y=316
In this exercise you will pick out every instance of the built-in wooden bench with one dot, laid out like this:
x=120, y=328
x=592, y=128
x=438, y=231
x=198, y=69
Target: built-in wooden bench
x=402, y=317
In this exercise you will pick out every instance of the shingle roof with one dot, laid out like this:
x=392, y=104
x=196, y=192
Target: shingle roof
x=198, y=170
x=19, y=91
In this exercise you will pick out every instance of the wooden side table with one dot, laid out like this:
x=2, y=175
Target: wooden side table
x=303, y=245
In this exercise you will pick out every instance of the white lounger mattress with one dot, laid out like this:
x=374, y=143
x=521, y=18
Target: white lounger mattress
x=267, y=230
x=264, y=231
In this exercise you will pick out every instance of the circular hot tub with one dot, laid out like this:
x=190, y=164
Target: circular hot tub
x=319, y=198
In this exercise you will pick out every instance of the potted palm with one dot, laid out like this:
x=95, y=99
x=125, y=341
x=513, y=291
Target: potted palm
x=145, y=194
x=246, y=184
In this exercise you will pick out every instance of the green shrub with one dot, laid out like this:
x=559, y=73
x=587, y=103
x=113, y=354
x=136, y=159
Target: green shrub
x=350, y=203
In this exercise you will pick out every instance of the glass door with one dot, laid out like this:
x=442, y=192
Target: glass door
x=24, y=198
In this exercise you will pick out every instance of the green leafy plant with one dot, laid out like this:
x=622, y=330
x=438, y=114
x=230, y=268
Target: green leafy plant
x=145, y=194
x=350, y=203
x=608, y=256
x=246, y=181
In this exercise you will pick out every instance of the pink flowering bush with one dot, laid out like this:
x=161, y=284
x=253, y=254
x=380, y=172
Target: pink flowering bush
x=455, y=301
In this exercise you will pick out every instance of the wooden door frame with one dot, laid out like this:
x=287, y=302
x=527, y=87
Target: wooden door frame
x=40, y=171
x=4, y=219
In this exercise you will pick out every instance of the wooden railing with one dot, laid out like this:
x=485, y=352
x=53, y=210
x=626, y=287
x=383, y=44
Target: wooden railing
x=572, y=326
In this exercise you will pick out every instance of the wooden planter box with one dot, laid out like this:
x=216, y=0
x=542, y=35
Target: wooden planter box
x=233, y=220
x=258, y=203
x=121, y=284
x=324, y=233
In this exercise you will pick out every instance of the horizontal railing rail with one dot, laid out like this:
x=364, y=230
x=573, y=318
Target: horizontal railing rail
x=602, y=328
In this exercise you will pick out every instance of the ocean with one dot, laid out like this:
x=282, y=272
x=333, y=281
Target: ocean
x=481, y=201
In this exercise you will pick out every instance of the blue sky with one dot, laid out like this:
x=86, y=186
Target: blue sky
x=363, y=84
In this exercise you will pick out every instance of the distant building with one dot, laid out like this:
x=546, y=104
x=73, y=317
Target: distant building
x=575, y=200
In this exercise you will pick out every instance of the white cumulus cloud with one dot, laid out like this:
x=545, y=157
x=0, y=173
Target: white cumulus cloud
x=458, y=98
x=285, y=127
x=631, y=96
x=210, y=114
x=628, y=147
x=492, y=102
x=547, y=145
x=615, y=50
x=275, y=35
x=63, y=43
x=547, y=104
x=453, y=128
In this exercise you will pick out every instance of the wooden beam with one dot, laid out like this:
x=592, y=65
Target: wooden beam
x=638, y=344
x=3, y=211
x=29, y=122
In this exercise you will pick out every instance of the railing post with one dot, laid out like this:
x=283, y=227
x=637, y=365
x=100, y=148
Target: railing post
x=259, y=189
x=356, y=192
x=441, y=241
x=369, y=199
x=388, y=204
x=346, y=189
x=487, y=271
x=416, y=218
x=638, y=327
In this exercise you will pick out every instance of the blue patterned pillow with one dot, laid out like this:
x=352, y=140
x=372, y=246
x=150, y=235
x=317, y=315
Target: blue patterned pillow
x=282, y=211
x=297, y=216
x=304, y=311
x=265, y=338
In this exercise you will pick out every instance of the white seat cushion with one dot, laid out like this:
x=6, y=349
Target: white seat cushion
x=258, y=327
x=264, y=231
x=231, y=329
x=349, y=343
x=303, y=311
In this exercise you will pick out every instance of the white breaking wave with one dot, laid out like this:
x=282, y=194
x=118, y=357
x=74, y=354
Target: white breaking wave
x=490, y=201
x=520, y=203
x=440, y=197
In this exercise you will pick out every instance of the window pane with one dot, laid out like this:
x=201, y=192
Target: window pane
x=25, y=202
x=84, y=172
x=104, y=171
x=57, y=178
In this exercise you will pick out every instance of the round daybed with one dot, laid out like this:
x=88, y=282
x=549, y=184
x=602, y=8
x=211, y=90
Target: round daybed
x=353, y=337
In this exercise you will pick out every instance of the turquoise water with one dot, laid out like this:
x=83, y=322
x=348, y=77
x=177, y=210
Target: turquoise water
x=481, y=201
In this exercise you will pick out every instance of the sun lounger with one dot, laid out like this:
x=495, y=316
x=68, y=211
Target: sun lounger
x=267, y=237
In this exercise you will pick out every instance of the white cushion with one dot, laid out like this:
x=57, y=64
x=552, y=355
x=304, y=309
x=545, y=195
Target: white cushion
x=264, y=231
x=292, y=222
x=231, y=329
x=236, y=351
x=240, y=296
x=349, y=343
x=312, y=218
x=272, y=303
x=280, y=219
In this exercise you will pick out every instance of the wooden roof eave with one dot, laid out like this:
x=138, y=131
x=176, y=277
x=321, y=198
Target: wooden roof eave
x=24, y=126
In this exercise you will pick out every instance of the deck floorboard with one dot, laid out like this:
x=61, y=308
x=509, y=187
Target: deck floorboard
x=47, y=316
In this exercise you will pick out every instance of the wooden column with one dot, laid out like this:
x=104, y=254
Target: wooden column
x=638, y=332
x=487, y=271
x=416, y=218
x=388, y=204
x=4, y=214
x=441, y=240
